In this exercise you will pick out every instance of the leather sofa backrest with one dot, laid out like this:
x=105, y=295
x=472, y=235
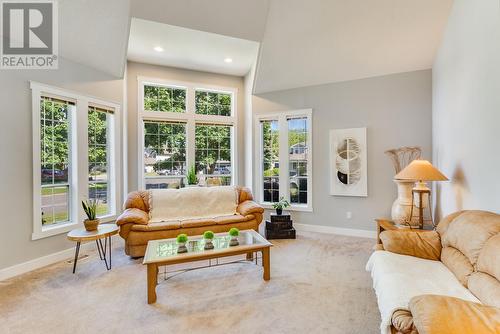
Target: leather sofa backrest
x=471, y=250
x=140, y=199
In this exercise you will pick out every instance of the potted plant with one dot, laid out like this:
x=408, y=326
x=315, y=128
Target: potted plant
x=181, y=241
x=208, y=236
x=280, y=205
x=90, y=208
x=191, y=178
x=234, y=233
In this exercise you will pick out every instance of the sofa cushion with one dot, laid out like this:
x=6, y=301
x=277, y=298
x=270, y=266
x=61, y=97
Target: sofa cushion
x=489, y=258
x=223, y=220
x=422, y=244
x=160, y=226
x=486, y=288
x=481, y=225
x=398, y=278
x=434, y=314
x=197, y=222
x=458, y=264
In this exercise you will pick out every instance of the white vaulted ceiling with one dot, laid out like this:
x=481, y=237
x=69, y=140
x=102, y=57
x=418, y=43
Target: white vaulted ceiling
x=95, y=33
x=302, y=43
x=320, y=41
x=236, y=18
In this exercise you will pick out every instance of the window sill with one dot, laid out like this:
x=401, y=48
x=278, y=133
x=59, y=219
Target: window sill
x=299, y=208
x=50, y=231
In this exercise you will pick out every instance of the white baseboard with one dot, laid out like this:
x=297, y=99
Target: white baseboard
x=336, y=230
x=43, y=261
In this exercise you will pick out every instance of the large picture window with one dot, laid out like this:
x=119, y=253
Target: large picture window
x=285, y=165
x=195, y=133
x=74, y=158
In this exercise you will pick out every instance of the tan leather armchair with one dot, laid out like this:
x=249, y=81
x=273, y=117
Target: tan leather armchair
x=137, y=230
x=468, y=244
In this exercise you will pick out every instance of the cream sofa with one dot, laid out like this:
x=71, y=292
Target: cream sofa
x=137, y=228
x=443, y=281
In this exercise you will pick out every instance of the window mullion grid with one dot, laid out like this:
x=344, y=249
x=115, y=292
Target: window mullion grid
x=79, y=159
x=283, y=157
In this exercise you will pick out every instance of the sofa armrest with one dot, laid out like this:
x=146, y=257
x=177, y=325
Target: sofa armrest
x=422, y=244
x=248, y=207
x=133, y=216
x=433, y=314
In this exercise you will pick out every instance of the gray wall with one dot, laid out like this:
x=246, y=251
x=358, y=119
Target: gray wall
x=135, y=70
x=16, y=170
x=396, y=109
x=466, y=108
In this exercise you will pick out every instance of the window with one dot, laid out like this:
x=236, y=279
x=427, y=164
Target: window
x=74, y=155
x=99, y=128
x=213, y=152
x=164, y=154
x=285, y=149
x=55, y=159
x=164, y=99
x=297, y=159
x=212, y=103
x=197, y=131
x=270, y=160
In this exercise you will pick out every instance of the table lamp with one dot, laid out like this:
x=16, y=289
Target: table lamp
x=420, y=171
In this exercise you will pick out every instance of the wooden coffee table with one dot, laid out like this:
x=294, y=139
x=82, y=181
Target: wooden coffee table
x=164, y=252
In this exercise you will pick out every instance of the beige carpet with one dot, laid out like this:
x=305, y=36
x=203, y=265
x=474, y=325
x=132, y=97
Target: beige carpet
x=318, y=284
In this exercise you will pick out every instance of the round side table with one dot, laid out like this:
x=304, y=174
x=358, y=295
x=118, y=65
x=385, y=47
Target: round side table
x=104, y=231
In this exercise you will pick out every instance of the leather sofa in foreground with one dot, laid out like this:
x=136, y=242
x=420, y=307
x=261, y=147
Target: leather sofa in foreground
x=443, y=281
x=137, y=228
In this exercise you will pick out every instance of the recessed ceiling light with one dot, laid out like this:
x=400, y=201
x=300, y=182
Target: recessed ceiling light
x=228, y=60
x=158, y=49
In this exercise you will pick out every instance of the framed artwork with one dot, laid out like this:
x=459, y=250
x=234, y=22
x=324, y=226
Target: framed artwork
x=348, y=166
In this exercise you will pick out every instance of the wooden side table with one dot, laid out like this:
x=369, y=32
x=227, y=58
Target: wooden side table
x=104, y=231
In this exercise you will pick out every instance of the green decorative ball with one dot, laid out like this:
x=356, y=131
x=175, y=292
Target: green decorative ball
x=234, y=232
x=208, y=235
x=182, y=238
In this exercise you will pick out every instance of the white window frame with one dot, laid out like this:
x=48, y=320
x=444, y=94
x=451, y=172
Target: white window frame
x=78, y=143
x=189, y=117
x=284, y=186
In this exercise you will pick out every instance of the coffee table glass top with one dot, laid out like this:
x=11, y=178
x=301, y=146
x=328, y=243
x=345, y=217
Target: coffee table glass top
x=158, y=250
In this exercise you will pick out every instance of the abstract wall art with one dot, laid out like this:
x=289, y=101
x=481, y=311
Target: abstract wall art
x=348, y=167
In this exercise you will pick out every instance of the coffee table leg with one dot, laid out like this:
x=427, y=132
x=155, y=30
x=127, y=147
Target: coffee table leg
x=266, y=263
x=77, y=250
x=249, y=256
x=152, y=282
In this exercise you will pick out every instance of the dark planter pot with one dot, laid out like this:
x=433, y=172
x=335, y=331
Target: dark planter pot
x=279, y=212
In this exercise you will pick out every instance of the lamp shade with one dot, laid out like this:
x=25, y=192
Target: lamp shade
x=420, y=170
